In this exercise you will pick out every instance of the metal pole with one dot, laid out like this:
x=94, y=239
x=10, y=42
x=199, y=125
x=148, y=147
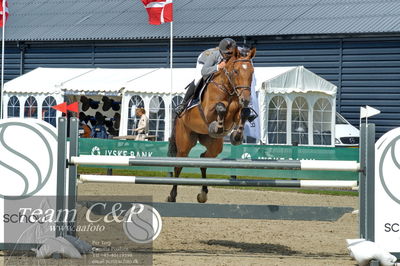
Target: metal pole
x=73, y=171
x=216, y=182
x=2, y=59
x=370, y=182
x=312, y=165
x=171, y=45
x=362, y=182
x=61, y=180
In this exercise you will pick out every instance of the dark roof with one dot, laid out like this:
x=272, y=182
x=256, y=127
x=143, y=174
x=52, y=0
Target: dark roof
x=127, y=19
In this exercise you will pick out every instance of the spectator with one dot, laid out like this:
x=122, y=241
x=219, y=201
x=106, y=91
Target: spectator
x=143, y=127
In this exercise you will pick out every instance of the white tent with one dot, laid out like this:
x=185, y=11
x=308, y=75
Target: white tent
x=103, y=81
x=296, y=106
x=43, y=80
x=38, y=84
x=158, y=81
x=156, y=93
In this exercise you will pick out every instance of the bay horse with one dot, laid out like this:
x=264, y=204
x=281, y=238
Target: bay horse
x=223, y=108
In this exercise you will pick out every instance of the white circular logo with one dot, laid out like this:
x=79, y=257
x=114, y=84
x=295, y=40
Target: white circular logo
x=95, y=150
x=27, y=157
x=389, y=168
x=142, y=223
x=246, y=155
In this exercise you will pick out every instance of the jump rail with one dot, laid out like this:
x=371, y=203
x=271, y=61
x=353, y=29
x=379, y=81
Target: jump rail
x=365, y=169
x=311, y=165
x=216, y=182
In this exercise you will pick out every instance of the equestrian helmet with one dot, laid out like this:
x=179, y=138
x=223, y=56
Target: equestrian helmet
x=226, y=45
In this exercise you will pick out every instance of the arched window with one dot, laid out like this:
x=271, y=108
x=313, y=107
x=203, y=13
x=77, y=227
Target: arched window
x=48, y=113
x=300, y=121
x=30, y=109
x=277, y=111
x=135, y=102
x=157, y=117
x=13, y=107
x=322, y=123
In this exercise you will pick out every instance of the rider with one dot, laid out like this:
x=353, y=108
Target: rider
x=208, y=62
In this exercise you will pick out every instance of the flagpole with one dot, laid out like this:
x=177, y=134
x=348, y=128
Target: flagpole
x=171, y=66
x=2, y=59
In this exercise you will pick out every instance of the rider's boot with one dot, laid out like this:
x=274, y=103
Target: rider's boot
x=189, y=93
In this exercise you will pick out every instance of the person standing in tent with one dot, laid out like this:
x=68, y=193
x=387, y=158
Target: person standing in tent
x=143, y=126
x=208, y=62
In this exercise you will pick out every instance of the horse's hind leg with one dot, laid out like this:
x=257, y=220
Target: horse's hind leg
x=174, y=190
x=185, y=140
x=214, y=147
x=202, y=196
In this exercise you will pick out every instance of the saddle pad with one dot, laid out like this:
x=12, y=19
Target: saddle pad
x=197, y=100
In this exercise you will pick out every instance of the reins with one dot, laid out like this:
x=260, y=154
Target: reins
x=229, y=75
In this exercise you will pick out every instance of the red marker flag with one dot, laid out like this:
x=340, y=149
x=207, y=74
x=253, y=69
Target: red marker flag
x=63, y=107
x=2, y=9
x=73, y=107
x=159, y=11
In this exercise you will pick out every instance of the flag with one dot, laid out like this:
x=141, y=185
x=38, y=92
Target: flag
x=63, y=107
x=368, y=111
x=159, y=11
x=1, y=12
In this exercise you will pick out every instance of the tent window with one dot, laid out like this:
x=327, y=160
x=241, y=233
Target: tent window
x=135, y=102
x=176, y=100
x=277, y=120
x=300, y=121
x=48, y=113
x=30, y=107
x=13, y=107
x=322, y=122
x=157, y=118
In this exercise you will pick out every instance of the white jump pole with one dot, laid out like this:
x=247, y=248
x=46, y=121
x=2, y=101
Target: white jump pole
x=312, y=165
x=217, y=182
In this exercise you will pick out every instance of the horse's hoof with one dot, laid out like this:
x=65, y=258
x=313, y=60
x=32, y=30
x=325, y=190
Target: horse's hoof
x=170, y=199
x=236, y=139
x=202, y=197
x=214, y=131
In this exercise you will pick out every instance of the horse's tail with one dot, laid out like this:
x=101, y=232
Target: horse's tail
x=172, y=149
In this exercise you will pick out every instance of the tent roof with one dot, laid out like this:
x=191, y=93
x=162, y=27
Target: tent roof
x=105, y=80
x=56, y=80
x=291, y=79
x=43, y=80
x=156, y=80
x=159, y=81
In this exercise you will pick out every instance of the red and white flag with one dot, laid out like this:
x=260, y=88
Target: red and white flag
x=2, y=12
x=159, y=11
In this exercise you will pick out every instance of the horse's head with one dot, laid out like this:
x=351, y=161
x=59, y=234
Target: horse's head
x=239, y=70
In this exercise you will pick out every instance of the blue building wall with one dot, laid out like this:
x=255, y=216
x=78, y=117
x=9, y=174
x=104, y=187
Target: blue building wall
x=366, y=70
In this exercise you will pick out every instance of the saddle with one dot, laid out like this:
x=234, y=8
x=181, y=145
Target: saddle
x=198, y=92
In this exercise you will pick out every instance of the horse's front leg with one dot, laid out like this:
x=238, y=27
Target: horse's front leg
x=237, y=135
x=216, y=128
